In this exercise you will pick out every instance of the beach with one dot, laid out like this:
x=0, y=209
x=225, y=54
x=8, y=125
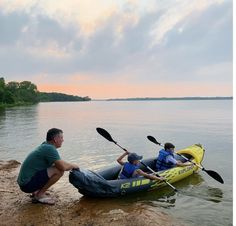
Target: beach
x=71, y=208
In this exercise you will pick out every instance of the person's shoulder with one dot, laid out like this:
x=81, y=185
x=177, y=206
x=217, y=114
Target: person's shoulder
x=170, y=157
x=162, y=150
x=47, y=146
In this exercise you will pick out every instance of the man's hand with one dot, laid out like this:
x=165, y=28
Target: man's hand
x=75, y=166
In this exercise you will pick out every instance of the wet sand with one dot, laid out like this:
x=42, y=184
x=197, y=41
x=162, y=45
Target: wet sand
x=71, y=208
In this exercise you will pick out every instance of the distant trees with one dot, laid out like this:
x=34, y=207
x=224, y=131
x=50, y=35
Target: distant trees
x=18, y=92
x=2, y=89
x=48, y=97
x=26, y=92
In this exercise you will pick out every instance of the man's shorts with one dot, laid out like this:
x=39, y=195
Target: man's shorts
x=36, y=182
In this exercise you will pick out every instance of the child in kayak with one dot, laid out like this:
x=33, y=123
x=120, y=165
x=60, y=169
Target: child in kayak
x=131, y=169
x=166, y=158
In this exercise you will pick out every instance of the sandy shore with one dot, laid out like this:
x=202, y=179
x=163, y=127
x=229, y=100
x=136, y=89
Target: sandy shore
x=71, y=208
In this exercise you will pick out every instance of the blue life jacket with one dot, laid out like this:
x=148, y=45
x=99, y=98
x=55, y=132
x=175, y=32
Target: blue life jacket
x=161, y=163
x=128, y=170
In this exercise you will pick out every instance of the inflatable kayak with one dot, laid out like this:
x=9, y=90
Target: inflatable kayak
x=104, y=183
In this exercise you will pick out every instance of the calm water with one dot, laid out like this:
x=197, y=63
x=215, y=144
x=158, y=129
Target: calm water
x=202, y=200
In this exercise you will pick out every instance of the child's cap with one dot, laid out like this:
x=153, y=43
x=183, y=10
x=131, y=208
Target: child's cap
x=133, y=156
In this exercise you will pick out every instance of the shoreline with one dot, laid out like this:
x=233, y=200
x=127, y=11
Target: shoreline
x=71, y=208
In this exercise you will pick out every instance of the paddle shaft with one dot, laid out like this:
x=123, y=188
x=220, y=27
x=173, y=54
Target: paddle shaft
x=158, y=175
x=190, y=161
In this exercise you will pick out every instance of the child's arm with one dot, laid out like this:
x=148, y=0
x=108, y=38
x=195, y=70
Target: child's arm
x=184, y=163
x=149, y=176
x=119, y=160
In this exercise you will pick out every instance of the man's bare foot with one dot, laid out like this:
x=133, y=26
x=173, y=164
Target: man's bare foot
x=36, y=192
x=43, y=200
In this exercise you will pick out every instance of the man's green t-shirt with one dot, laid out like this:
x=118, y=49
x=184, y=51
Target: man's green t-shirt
x=41, y=158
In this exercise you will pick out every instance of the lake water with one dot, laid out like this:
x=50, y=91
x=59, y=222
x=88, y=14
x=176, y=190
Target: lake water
x=202, y=200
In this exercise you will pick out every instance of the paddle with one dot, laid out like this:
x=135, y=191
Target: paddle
x=211, y=173
x=106, y=135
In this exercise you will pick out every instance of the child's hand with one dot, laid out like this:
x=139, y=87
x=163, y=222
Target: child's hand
x=126, y=151
x=161, y=178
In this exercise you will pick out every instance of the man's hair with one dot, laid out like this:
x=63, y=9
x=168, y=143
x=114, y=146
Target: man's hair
x=52, y=133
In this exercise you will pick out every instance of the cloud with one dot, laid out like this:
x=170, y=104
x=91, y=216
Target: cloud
x=11, y=27
x=177, y=13
x=89, y=16
x=138, y=42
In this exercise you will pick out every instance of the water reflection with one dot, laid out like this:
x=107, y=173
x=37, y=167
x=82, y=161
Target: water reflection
x=18, y=130
x=2, y=117
x=195, y=186
x=207, y=193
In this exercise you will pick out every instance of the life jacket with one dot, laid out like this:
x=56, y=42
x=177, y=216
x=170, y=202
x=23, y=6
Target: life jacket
x=128, y=170
x=161, y=163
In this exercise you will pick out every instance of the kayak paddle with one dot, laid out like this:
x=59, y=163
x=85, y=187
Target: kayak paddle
x=211, y=173
x=106, y=135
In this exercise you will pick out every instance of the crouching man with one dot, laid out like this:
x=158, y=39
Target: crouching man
x=43, y=167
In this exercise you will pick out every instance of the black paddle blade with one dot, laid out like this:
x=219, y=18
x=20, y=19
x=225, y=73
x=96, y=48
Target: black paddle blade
x=105, y=134
x=152, y=139
x=214, y=175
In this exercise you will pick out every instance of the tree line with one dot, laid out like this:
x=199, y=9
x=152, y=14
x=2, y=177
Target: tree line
x=26, y=92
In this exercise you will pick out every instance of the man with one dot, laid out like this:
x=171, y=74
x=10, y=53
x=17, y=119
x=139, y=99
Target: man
x=131, y=168
x=44, y=167
x=166, y=159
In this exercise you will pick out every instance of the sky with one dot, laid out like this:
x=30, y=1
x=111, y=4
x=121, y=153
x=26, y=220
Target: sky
x=119, y=49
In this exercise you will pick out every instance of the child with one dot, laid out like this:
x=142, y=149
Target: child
x=166, y=159
x=131, y=168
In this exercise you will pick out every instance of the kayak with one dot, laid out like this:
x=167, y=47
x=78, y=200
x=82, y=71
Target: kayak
x=104, y=183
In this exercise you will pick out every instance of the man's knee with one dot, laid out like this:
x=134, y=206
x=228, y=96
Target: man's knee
x=55, y=171
x=60, y=173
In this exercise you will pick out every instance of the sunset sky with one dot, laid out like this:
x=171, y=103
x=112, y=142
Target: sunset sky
x=125, y=48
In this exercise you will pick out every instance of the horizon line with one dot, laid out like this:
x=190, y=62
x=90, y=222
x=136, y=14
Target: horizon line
x=165, y=98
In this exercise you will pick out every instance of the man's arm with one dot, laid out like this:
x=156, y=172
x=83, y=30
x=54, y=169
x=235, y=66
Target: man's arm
x=65, y=166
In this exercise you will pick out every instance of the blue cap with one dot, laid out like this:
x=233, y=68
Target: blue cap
x=133, y=156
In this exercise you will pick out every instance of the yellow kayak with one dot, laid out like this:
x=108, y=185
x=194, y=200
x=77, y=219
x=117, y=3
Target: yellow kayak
x=104, y=183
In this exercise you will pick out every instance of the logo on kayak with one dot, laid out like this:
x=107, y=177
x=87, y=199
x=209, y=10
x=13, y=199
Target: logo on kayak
x=125, y=185
x=136, y=183
x=186, y=169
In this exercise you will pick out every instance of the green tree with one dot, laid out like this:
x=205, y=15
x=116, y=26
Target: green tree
x=9, y=98
x=13, y=86
x=27, y=92
x=12, y=90
x=2, y=90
